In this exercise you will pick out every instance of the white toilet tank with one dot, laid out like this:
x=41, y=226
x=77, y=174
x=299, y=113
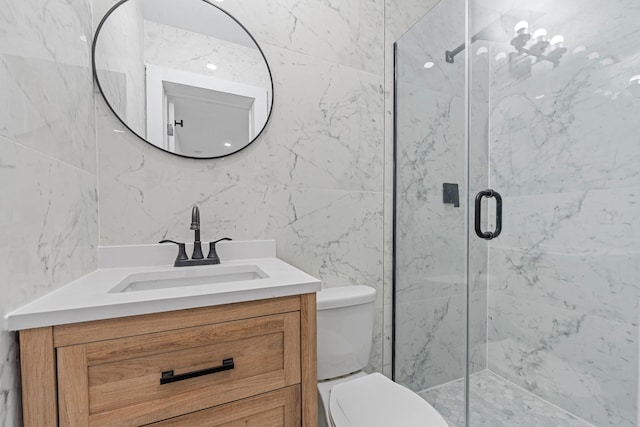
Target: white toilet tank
x=345, y=326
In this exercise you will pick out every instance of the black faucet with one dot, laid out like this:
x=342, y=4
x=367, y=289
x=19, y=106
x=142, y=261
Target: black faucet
x=195, y=225
x=182, y=260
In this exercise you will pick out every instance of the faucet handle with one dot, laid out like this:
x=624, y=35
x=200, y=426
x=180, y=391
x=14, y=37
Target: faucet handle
x=212, y=250
x=182, y=252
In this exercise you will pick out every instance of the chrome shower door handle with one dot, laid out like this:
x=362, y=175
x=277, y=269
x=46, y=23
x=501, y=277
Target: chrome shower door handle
x=488, y=235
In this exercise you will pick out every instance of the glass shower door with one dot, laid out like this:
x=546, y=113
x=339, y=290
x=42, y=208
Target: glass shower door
x=430, y=296
x=554, y=128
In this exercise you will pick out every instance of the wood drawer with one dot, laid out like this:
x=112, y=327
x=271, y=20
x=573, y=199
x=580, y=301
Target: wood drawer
x=275, y=409
x=117, y=381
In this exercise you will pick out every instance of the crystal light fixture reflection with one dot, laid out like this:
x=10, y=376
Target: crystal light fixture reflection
x=579, y=49
x=540, y=33
x=521, y=26
x=634, y=86
x=557, y=40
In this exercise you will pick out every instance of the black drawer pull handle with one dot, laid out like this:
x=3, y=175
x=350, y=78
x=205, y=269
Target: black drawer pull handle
x=168, y=377
x=488, y=235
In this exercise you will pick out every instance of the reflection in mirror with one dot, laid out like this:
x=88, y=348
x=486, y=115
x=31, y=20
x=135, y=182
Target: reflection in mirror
x=183, y=75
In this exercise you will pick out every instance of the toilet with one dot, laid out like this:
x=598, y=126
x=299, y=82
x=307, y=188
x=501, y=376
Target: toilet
x=348, y=397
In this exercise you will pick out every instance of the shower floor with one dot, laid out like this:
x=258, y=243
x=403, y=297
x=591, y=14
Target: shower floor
x=496, y=402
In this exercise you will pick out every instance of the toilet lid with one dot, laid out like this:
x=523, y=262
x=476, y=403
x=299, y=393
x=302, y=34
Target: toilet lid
x=376, y=401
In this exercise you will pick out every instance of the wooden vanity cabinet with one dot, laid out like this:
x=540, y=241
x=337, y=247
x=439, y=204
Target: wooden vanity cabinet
x=249, y=364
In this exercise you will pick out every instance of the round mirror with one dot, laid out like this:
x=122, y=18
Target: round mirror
x=183, y=75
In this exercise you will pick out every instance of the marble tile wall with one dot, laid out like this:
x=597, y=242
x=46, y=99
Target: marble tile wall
x=48, y=220
x=314, y=179
x=563, y=288
x=164, y=46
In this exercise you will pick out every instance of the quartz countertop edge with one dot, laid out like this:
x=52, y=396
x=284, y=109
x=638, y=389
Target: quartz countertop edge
x=88, y=298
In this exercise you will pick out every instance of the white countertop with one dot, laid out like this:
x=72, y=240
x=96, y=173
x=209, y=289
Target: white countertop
x=88, y=298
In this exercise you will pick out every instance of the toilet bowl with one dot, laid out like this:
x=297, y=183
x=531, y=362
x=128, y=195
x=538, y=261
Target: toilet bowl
x=348, y=397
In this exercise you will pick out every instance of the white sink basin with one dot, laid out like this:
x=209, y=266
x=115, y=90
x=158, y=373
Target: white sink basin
x=189, y=276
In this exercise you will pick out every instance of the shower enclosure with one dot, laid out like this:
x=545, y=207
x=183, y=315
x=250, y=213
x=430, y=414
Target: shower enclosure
x=517, y=212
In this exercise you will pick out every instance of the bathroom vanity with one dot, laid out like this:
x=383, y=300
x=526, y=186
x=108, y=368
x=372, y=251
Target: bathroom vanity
x=241, y=351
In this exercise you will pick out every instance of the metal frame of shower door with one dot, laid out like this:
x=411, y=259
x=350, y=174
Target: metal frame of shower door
x=467, y=126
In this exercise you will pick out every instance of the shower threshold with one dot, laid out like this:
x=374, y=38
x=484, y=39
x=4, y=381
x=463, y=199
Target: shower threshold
x=497, y=402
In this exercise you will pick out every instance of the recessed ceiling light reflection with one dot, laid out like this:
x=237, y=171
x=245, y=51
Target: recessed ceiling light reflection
x=212, y=67
x=428, y=65
x=227, y=144
x=593, y=55
x=635, y=79
x=539, y=96
x=500, y=56
x=118, y=131
x=83, y=38
x=482, y=50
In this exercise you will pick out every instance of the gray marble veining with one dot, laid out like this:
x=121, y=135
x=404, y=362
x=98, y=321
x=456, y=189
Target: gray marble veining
x=48, y=221
x=314, y=179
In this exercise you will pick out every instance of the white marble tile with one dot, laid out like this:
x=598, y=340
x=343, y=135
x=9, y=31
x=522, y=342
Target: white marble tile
x=348, y=33
x=599, y=284
x=596, y=222
x=165, y=46
x=45, y=79
x=375, y=359
x=333, y=235
x=430, y=342
x=326, y=130
x=401, y=15
x=155, y=191
x=584, y=364
x=430, y=141
x=49, y=223
x=10, y=404
x=430, y=253
x=49, y=229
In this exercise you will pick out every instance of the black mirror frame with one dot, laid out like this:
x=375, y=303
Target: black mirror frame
x=95, y=77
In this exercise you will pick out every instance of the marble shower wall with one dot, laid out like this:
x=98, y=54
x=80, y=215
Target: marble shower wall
x=431, y=236
x=48, y=220
x=565, y=154
x=314, y=179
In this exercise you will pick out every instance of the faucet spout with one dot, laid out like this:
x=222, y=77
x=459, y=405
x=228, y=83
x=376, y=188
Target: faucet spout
x=195, y=225
x=195, y=218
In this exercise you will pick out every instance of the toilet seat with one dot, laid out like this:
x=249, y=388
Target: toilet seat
x=376, y=401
